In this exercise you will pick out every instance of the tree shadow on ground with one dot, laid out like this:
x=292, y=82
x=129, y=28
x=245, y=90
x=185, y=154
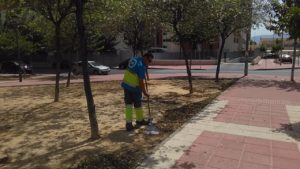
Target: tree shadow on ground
x=184, y=165
x=38, y=134
x=101, y=159
x=292, y=130
x=42, y=160
x=121, y=136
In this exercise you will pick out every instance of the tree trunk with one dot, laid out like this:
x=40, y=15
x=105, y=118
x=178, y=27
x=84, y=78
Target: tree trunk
x=294, y=60
x=248, y=37
x=73, y=53
x=134, y=51
x=219, y=59
x=86, y=78
x=57, y=59
x=247, y=53
x=69, y=77
x=180, y=51
x=70, y=70
x=280, y=60
x=19, y=56
x=188, y=70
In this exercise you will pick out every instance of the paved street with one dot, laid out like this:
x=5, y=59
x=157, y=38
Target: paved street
x=228, y=70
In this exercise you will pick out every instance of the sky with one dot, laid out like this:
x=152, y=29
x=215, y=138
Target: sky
x=260, y=31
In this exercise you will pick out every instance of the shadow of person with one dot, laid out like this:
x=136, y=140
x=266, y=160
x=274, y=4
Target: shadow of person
x=121, y=136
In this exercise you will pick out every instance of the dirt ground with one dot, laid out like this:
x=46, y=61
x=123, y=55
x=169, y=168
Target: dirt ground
x=35, y=132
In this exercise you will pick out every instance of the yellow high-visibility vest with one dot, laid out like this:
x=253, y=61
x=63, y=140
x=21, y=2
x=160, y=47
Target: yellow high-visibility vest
x=131, y=78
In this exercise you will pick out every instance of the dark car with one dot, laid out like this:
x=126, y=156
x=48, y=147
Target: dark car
x=124, y=64
x=270, y=56
x=14, y=67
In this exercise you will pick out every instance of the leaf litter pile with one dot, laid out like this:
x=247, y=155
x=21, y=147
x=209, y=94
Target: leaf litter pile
x=35, y=132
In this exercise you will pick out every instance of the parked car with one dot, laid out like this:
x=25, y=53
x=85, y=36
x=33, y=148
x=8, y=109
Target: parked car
x=14, y=67
x=286, y=58
x=270, y=55
x=93, y=68
x=157, y=50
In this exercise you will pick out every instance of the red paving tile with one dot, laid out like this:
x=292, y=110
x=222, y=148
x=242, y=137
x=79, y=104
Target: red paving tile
x=258, y=149
x=208, y=141
x=290, y=154
x=229, y=153
x=243, y=115
x=256, y=158
x=247, y=165
x=234, y=138
x=282, y=163
x=231, y=145
x=223, y=163
x=284, y=145
x=238, y=152
x=259, y=115
x=258, y=141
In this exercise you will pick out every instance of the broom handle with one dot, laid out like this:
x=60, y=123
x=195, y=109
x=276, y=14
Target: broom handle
x=148, y=100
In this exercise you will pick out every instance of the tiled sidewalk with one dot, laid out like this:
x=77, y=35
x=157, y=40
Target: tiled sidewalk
x=259, y=114
x=213, y=150
x=253, y=125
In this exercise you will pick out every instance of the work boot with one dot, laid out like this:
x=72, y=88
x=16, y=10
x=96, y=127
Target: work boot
x=142, y=122
x=129, y=126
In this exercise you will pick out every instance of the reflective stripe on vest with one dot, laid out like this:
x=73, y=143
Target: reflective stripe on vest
x=130, y=78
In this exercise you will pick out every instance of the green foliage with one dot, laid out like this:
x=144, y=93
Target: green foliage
x=139, y=24
x=101, y=43
x=15, y=32
x=252, y=42
x=285, y=17
x=231, y=16
x=277, y=47
x=189, y=19
x=8, y=45
x=277, y=21
x=262, y=48
x=294, y=21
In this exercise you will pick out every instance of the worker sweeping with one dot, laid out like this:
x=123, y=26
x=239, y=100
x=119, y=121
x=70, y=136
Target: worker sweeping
x=134, y=85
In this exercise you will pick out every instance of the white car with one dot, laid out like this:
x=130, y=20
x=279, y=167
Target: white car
x=286, y=58
x=93, y=68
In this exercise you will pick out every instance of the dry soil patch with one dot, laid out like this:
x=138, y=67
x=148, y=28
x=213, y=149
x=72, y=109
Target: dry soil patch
x=35, y=132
